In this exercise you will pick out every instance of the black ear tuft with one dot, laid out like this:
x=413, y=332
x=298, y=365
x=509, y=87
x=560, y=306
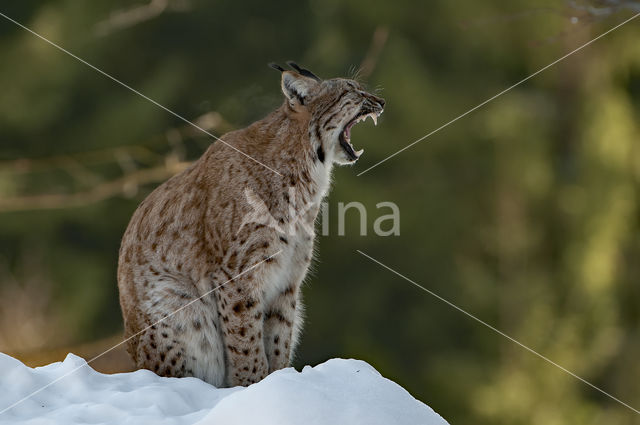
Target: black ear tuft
x=276, y=67
x=295, y=66
x=303, y=71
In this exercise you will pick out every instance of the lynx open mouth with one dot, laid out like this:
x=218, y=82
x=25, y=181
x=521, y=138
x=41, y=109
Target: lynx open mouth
x=345, y=135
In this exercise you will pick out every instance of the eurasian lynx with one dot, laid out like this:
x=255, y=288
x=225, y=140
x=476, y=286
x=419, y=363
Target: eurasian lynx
x=198, y=238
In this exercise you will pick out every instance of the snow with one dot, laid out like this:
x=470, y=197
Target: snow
x=335, y=392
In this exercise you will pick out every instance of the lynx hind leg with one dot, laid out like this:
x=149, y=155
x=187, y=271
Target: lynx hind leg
x=241, y=316
x=281, y=327
x=185, y=343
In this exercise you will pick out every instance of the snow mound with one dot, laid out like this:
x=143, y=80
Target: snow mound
x=336, y=392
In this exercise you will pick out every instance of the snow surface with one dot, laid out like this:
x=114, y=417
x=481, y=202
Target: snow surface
x=336, y=392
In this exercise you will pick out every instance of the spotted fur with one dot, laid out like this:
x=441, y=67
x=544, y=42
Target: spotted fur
x=188, y=238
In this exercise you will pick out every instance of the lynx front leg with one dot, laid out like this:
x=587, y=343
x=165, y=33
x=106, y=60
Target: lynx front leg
x=281, y=327
x=241, y=320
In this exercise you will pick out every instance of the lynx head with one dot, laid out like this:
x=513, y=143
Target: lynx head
x=334, y=106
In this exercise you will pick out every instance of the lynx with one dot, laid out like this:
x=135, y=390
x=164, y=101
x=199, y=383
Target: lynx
x=207, y=287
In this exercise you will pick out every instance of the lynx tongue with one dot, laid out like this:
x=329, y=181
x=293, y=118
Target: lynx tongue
x=348, y=147
x=347, y=131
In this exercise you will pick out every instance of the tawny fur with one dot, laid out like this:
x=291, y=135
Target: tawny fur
x=191, y=236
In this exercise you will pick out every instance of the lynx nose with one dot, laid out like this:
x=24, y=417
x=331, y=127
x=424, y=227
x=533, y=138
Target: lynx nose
x=376, y=102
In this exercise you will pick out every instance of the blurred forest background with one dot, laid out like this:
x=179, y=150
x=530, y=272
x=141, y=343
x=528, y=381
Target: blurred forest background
x=526, y=212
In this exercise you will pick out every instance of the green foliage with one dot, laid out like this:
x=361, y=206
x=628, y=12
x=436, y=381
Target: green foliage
x=524, y=213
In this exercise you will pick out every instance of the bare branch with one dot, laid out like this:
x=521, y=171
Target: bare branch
x=31, y=165
x=122, y=19
x=162, y=166
x=208, y=121
x=119, y=186
x=378, y=41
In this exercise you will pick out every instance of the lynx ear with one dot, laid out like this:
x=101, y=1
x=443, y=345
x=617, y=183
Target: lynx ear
x=297, y=88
